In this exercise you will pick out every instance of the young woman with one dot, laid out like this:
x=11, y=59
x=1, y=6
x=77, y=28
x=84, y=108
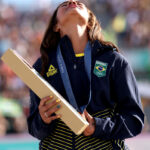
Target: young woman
x=93, y=76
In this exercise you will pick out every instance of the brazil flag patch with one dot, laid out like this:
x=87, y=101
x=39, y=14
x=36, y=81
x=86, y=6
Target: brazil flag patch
x=100, y=69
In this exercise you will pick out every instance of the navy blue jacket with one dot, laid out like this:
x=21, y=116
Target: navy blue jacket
x=116, y=89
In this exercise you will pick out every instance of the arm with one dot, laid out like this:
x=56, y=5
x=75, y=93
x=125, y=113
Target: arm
x=36, y=125
x=128, y=120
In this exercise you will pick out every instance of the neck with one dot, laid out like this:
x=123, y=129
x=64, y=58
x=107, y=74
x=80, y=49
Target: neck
x=78, y=36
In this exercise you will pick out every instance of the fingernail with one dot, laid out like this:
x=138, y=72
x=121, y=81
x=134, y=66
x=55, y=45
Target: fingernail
x=51, y=97
x=57, y=101
x=48, y=102
x=58, y=116
x=58, y=106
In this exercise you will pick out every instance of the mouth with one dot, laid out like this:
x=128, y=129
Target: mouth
x=72, y=5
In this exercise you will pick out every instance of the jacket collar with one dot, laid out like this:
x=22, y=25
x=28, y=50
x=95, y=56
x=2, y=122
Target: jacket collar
x=67, y=48
x=97, y=47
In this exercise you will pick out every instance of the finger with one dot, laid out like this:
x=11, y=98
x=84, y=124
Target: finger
x=44, y=109
x=48, y=120
x=53, y=110
x=86, y=133
x=89, y=131
x=45, y=115
x=44, y=100
x=55, y=117
x=49, y=105
x=83, y=115
x=88, y=116
x=53, y=103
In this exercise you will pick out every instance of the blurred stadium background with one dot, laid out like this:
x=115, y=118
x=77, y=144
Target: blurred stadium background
x=22, y=25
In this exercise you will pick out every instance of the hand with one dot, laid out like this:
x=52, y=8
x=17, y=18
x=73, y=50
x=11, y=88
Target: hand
x=91, y=128
x=47, y=107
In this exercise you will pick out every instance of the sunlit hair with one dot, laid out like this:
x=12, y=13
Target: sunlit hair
x=52, y=38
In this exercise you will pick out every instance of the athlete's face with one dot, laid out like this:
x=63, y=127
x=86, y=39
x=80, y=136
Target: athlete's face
x=72, y=8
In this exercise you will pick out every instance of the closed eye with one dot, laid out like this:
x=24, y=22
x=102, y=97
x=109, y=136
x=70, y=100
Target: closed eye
x=79, y=3
x=64, y=4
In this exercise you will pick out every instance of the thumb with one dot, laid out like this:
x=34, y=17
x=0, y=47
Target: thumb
x=87, y=116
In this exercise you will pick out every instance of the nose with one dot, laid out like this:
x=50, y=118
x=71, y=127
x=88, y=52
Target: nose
x=72, y=2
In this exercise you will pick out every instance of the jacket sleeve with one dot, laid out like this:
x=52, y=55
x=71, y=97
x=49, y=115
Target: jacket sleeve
x=36, y=126
x=128, y=120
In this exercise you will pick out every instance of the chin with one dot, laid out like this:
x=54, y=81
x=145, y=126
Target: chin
x=76, y=13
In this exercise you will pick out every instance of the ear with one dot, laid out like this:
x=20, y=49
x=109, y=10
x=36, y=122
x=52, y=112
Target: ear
x=56, y=28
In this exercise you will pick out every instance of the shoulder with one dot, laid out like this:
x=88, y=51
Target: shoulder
x=116, y=61
x=51, y=59
x=114, y=57
x=120, y=64
x=38, y=64
x=119, y=59
x=109, y=53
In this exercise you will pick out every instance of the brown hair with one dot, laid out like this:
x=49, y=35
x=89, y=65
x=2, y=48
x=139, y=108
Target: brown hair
x=52, y=38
